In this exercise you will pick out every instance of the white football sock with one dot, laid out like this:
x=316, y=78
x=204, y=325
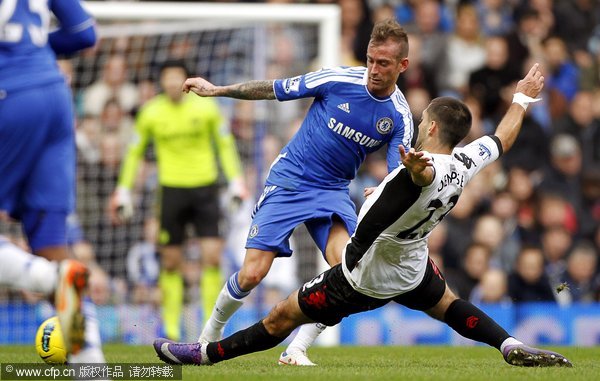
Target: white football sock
x=225, y=307
x=25, y=271
x=307, y=334
x=509, y=341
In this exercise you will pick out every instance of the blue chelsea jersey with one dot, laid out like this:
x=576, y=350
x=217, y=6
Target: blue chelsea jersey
x=27, y=57
x=344, y=123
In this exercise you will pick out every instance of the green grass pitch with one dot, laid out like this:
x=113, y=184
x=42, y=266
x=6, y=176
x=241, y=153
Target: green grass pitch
x=361, y=363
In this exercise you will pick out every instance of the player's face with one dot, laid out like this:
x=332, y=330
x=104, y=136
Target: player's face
x=171, y=80
x=384, y=66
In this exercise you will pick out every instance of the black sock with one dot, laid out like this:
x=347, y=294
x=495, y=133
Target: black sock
x=250, y=340
x=474, y=324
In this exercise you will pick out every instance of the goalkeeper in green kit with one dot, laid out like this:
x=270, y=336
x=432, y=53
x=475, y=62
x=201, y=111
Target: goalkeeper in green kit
x=190, y=136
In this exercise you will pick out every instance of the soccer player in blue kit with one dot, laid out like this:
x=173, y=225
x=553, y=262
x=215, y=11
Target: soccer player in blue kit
x=356, y=110
x=37, y=166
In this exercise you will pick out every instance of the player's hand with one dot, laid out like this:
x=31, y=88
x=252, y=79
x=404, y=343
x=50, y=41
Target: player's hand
x=533, y=83
x=369, y=191
x=200, y=86
x=415, y=161
x=120, y=207
x=237, y=192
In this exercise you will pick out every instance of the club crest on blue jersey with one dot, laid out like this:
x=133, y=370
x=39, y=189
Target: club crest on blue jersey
x=291, y=84
x=253, y=231
x=384, y=125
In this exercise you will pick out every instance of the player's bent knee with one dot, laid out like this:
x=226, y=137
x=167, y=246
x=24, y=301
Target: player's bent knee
x=256, y=266
x=250, y=278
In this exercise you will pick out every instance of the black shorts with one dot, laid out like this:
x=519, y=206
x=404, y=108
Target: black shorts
x=179, y=207
x=328, y=298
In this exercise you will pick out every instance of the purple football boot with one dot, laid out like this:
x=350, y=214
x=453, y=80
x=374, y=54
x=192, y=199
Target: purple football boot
x=522, y=355
x=175, y=353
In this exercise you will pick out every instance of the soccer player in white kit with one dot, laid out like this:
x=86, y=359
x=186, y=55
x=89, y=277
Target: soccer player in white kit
x=386, y=258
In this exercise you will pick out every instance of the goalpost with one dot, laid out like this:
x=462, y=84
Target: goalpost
x=326, y=16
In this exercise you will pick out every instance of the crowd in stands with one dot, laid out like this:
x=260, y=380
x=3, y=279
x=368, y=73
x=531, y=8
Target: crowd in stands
x=525, y=228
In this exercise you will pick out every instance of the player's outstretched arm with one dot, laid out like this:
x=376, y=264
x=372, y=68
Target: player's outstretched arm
x=527, y=89
x=251, y=90
x=419, y=164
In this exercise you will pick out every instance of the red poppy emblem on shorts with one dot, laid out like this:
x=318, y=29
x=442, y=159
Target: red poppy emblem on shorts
x=317, y=299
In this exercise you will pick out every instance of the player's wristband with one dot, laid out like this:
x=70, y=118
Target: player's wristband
x=523, y=100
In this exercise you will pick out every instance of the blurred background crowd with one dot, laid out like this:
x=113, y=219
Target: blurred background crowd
x=526, y=225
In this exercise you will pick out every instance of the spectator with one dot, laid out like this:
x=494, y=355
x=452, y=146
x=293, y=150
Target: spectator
x=526, y=39
x=112, y=84
x=417, y=75
x=437, y=18
x=521, y=186
x=590, y=187
x=554, y=210
x=563, y=75
x=580, y=123
x=491, y=289
x=355, y=18
x=556, y=243
x=465, y=52
x=563, y=176
x=528, y=281
x=433, y=40
x=475, y=263
x=114, y=120
x=488, y=83
x=495, y=17
x=418, y=98
x=577, y=20
x=581, y=276
x=490, y=232
x=505, y=207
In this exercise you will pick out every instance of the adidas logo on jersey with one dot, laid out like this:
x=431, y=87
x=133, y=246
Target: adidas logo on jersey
x=344, y=107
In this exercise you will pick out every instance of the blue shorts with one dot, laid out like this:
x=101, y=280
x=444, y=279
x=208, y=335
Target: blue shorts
x=37, y=151
x=279, y=211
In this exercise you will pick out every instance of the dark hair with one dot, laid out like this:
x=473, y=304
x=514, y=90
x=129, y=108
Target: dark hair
x=454, y=119
x=174, y=63
x=390, y=29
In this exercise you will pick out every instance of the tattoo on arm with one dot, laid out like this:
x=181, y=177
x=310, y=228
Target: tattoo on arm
x=251, y=90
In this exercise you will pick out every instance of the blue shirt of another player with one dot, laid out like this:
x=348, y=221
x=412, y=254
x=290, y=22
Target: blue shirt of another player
x=344, y=124
x=27, y=49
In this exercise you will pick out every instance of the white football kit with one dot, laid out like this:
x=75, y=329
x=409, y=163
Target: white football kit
x=387, y=254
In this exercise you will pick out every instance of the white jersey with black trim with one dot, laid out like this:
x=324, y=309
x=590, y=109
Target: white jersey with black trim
x=344, y=123
x=387, y=254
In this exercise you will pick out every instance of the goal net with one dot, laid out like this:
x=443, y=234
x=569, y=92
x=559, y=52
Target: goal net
x=225, y=43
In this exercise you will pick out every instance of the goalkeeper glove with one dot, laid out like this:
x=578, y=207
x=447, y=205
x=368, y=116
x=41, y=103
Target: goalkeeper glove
x=121, y=205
